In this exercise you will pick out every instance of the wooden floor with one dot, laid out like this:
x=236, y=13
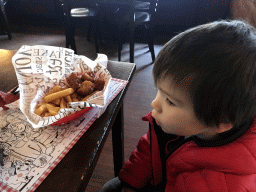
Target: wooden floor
x=137, y=100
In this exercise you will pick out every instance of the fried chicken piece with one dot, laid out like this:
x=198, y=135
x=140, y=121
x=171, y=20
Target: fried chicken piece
x=86, y=88
x=87, y=77
x=99, y=84
x=74, y=81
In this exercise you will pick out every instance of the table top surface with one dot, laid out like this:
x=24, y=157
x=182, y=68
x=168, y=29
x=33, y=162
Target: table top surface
x=78, y=164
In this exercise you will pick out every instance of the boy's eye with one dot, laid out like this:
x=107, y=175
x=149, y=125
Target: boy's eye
x=169, y=101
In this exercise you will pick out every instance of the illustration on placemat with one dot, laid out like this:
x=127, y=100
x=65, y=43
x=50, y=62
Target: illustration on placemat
x=28, y=152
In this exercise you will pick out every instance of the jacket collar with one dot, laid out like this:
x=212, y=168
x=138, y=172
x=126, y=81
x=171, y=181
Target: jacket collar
x=225, y=137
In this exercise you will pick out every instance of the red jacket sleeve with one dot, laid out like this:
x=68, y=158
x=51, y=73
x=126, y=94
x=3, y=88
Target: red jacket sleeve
x=137, y=171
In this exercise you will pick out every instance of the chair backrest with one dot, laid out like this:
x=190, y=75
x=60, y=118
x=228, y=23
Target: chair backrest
x=83, y=3
x=65, y=6
x=68, y=5
x=150, y=6
x=109, y=7
x=154, y=5
x=153, y=8
x=116, y=1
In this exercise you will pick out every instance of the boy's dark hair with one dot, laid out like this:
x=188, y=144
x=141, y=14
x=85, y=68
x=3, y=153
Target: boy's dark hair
x=221, y=58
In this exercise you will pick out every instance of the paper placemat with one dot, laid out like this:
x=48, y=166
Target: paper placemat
x=33, y=153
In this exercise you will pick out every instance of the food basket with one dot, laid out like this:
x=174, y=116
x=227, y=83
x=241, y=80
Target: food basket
x=39, y=68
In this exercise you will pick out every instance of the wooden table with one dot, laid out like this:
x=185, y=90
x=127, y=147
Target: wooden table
x=75, y=169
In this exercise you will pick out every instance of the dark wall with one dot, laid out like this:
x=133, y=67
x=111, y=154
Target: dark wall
x=178, y=15
x=172, y=15
x=33, y=11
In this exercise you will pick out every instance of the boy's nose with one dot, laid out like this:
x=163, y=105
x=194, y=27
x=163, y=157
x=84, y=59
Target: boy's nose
x=156, y=105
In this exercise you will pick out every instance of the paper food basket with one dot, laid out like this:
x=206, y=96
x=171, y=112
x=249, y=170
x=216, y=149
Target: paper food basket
x=39, y=68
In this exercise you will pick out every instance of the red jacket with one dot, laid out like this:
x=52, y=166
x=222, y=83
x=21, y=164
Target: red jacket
x=227, y=164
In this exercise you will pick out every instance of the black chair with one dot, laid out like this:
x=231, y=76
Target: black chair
x=4, y=25
x=75, y=11
x=130, y=14
x=144, y=13
x=142, y=5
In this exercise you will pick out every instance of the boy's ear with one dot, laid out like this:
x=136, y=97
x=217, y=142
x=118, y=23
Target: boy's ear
x=224, y=127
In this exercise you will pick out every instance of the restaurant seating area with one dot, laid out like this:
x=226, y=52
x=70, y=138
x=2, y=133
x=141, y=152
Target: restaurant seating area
x=73, y=14
x=138, y=96
x=51, y=31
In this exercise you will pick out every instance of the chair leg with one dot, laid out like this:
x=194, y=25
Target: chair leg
x=67, y=40
x=151, y=49
x=95, y=32
x=151, y=43
x=73, y=44
x=95, y=35
x=131, y=51
x=70, y=36
x=90, y=25
x=132, y=28
x=120, y=46
x=120, y=41
x=5, y=22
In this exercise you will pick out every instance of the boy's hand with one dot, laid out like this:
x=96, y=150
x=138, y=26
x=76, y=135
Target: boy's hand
x=127, y=190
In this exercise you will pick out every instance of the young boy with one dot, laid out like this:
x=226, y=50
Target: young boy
x=202, y=134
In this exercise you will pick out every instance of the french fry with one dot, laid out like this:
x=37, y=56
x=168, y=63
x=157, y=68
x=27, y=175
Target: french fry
x=68, y=99
x=66, y=87
x=54, y=90
x=42, y=109
x=63, y=103
x=85, y=98
x=51, y=114
x=58, y=95
x=53, y=110
x=43, y=114
x=47, y=114
x=39, y=105
x=56, y=102
x=75, y=99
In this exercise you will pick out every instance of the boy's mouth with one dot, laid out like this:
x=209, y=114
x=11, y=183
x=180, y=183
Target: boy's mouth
x=155, y=119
